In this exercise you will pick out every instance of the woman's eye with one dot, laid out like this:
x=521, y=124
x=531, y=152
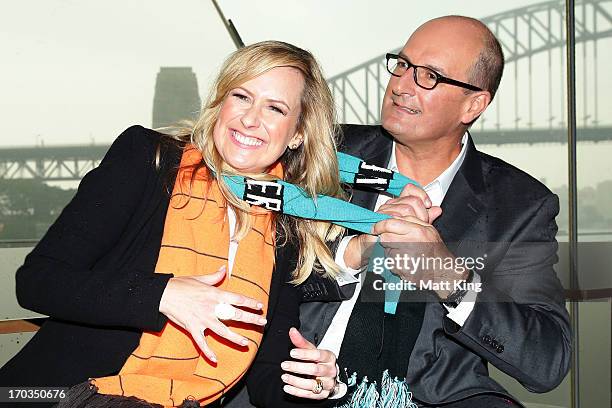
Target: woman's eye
x=240, y=96
x=276, y=109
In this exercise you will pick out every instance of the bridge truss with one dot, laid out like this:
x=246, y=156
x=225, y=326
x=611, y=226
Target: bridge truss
x=57, y=163
x=533, y=39
x=529, y=107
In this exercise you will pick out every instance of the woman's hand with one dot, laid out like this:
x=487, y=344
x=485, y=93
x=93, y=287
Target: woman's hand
x=320, y=364
x=190, y=301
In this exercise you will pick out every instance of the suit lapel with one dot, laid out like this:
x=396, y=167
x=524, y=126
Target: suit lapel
x=460, y=211
x=462, y=207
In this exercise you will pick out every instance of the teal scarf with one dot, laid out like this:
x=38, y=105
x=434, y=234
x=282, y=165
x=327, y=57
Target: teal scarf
x=280, y=196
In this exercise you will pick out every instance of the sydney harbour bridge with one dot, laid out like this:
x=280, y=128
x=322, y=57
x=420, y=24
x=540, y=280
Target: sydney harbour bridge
x=530, y=106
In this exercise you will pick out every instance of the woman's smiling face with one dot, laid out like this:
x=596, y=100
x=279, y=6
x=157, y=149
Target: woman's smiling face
x=258, y=120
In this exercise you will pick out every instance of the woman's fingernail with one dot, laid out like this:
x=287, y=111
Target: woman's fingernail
x=285, y=365
x=294, y=353
x=427, y=202
x=284, y=377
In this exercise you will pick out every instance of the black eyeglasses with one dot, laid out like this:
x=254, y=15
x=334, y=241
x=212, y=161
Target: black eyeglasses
x=424, y=77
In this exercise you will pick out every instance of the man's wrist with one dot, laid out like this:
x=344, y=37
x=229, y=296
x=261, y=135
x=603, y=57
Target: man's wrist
x=454, y=297
x=447, y=280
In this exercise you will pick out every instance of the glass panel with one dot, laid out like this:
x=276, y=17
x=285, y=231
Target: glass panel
x=527, y=127
x=595, y=343
x=80, y=74
x=594, y=168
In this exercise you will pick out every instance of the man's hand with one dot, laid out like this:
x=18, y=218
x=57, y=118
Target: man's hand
x=413, y=201
x=314, y=363
x=410, y=237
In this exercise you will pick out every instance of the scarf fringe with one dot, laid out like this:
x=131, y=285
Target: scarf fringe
x=85, y=395
x=394, y=393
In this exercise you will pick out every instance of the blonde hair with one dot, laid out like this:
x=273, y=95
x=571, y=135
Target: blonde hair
x=312, y=166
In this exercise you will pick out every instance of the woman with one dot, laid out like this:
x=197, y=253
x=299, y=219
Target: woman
x=171, y=290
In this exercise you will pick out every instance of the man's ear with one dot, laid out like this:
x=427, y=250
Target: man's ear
x=475, y=106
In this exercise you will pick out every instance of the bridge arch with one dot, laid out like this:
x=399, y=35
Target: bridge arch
x=525, y=33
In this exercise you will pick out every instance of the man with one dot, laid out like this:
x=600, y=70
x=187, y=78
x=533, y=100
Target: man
x=512, y=315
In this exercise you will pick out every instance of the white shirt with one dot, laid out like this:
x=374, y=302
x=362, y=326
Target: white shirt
x=436, y=190
x=233, y=244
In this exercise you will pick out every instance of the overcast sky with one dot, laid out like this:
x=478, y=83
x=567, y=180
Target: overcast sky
x=76, y=71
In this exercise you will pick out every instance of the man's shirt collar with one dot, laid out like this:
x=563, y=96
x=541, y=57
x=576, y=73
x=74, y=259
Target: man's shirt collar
x=438, y=188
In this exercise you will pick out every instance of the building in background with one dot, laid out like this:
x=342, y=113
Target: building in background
x=176, y=96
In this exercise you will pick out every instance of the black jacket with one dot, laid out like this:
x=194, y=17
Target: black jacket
x=93, y=271
x=519, y=323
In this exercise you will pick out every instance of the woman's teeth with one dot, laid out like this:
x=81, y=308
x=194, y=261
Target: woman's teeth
x=249, y=141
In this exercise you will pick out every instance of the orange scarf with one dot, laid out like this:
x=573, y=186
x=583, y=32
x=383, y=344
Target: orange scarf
x=168, y=367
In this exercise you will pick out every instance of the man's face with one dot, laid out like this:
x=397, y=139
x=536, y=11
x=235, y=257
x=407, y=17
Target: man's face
x=414, y=115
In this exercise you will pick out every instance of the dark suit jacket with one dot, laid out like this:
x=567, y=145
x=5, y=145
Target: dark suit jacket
x=519, y=323
x=93, y=271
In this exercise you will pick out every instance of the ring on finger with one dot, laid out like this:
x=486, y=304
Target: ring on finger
x=318, y=386
x=224, y=311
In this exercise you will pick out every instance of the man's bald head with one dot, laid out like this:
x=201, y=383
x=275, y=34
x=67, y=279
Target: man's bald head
x=488, y=65
x=459, y=49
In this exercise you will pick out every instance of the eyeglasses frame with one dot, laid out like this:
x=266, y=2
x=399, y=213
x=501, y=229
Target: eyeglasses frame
x=439, y=77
